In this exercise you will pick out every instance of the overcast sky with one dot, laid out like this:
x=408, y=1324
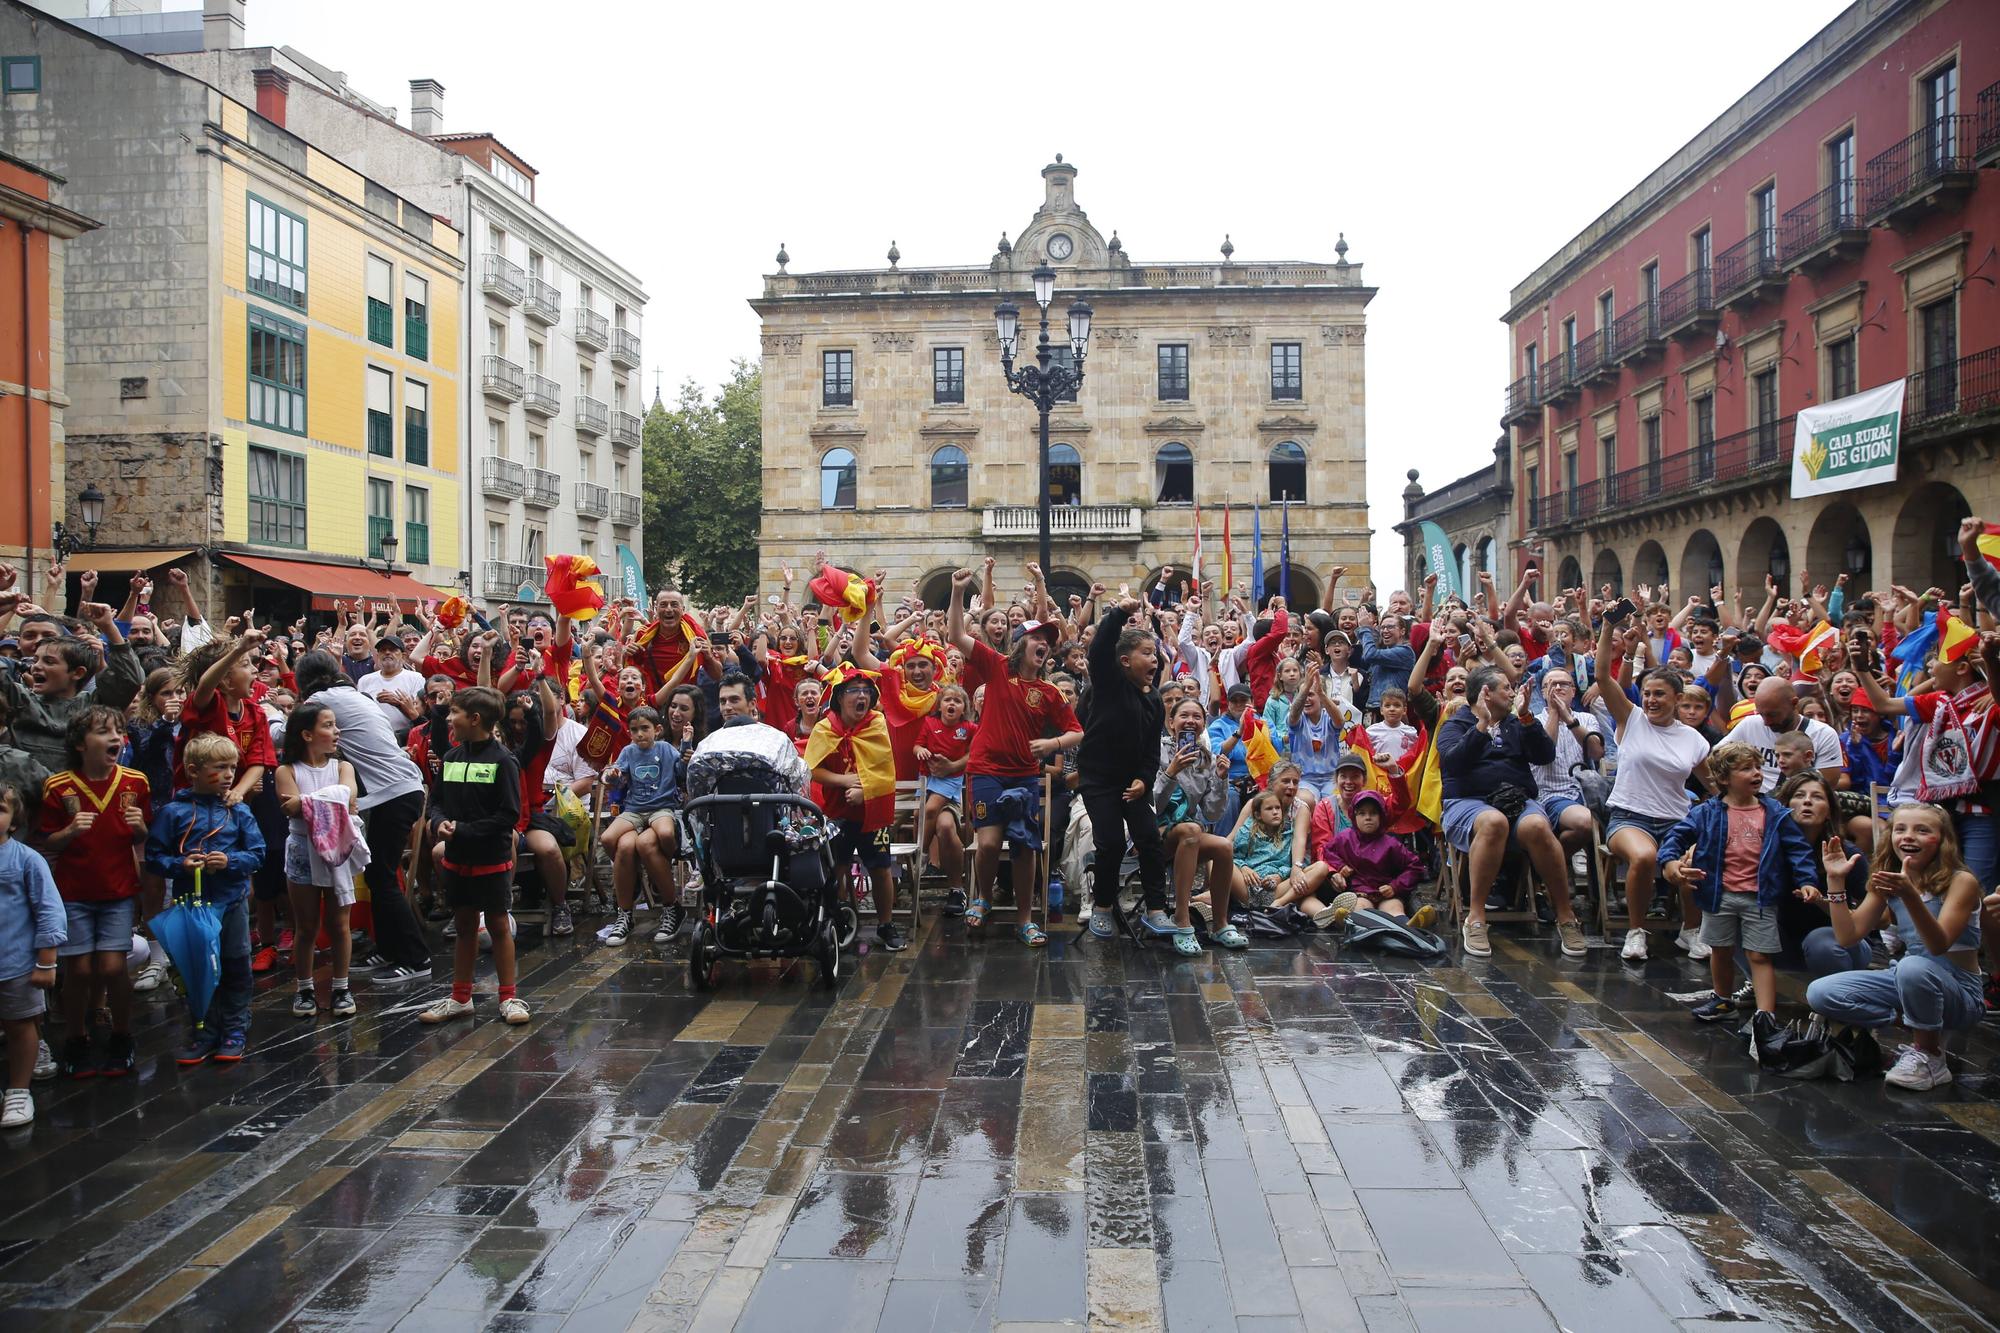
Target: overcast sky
x=1457, y=145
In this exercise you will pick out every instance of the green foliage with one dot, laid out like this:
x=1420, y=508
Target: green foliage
x=704, y=464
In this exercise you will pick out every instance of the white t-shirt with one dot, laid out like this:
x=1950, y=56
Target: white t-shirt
x=1653, y=767
x=1556, y=779
x=1753, y=732
x=406, y=681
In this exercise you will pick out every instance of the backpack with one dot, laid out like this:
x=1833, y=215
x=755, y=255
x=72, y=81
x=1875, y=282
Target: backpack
x=1369, y=928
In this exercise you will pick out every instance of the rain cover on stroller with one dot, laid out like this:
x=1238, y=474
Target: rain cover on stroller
x=739, y=773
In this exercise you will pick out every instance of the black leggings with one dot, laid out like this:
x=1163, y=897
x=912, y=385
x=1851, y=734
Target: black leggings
x=397, y=933
x=1111, y=818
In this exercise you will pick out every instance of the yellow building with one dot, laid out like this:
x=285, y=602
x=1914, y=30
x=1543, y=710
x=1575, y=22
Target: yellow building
x=264, y=345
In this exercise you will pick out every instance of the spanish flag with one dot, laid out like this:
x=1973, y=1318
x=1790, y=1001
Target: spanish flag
x=1425, y=780
x=1817, y=640
x=838, y=590
x=605, y=736
x=1955, y=637
x=1258, y=753
x=1989, y=544
x=863, y=750
x=454, y=611
x=569, y=587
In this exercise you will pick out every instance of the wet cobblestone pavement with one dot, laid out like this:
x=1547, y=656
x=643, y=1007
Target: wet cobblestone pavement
x=970, y=1135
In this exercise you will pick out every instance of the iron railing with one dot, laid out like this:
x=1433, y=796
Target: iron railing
x=1987, y=112
x=625, y=348
x=502, y=277
x=1636, y=333
x=502, y=477
x=1919, y=163
x=544, y=395
x=416, y=543
x=593, y=415
x=379, y=530
x=544, y=489
x=592, y=329
x=626, y=427
x=1524, y=396
x=504, y=578
x=625, y=507
x=1958, y=388
x=1828, y=218
x=1689, y=302
x=1748, y=267
x=543, y=302
x=501, y=378
x=592, y=500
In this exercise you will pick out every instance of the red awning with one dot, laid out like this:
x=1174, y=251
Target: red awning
x=346, y=582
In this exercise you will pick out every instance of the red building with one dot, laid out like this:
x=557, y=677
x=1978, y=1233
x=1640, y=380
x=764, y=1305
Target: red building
x=32, y=231
x=1832, y=231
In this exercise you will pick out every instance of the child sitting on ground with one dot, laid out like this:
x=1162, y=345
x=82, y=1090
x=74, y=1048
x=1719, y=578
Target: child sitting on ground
x=32, y=928
x=1265, y=875
x=1739, y=852
x=93, y=816
x=206, y=845
x=1371, y=867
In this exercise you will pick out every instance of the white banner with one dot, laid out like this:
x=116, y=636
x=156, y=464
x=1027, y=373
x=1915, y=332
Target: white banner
x=1848, y=443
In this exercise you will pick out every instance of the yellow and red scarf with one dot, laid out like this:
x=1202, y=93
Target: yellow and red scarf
x=909, y=704
x=863, y=750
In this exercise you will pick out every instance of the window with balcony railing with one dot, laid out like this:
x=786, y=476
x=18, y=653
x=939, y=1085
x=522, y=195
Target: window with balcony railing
x=417, y=543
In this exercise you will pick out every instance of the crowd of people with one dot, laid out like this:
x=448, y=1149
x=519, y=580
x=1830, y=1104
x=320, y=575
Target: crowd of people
x=1811, y=782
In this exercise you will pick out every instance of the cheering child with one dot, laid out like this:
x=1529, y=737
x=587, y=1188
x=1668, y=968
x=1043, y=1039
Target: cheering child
x=319, y=892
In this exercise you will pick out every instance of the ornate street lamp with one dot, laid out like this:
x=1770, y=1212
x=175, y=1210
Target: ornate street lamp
x=1047, y=381
x=67, y=541
x=388, y=547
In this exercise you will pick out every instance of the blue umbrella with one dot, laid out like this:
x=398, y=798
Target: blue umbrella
x=191, y=932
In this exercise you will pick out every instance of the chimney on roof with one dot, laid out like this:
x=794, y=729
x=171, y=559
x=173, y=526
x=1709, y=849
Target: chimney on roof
x=221, y=24
x=426, y=107
x=272, y=87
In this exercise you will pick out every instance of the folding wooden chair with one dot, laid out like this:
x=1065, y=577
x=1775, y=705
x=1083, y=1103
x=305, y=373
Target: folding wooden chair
x=908, y=859
x=1457, y=885
x=1037, y=907
x=1607, y=881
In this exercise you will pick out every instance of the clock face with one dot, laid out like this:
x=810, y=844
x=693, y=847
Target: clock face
x=1060, y=246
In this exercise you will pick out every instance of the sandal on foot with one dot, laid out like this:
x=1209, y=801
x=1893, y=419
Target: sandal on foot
x=1229, y=937
x=1185, y=944
x=975, y=915
x=1157, y=922
x=1032, y=935
x=1102, y=926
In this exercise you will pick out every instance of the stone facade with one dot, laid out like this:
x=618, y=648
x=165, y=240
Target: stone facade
x=1119, y=517
x=1476, y=515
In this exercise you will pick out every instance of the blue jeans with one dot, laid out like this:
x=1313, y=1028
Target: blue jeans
x=1825, y=957
x=229, y=1010
x=1979, y=845
x=1931, y=995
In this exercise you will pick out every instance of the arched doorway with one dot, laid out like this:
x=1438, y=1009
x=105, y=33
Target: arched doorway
x=1840, y=544
x=1650, y=565
x=937, y=590
x=1569, y=576
x=1067, y=583
x=1305, y=589
x=1604, y=571
x=1701, y=566
x=1763, y=550
x=1924, y=552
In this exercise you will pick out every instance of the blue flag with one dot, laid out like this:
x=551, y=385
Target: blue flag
x=1256, y=554
x=1285, y=558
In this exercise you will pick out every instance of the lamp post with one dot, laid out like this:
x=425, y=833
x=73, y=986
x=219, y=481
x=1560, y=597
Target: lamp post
x=67, y=541
x=388, y=546
x=1046, y=381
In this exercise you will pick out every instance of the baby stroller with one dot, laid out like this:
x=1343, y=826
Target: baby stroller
x=767, y=884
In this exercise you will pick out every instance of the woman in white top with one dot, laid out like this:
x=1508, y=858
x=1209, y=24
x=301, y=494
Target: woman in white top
x=1657, y=753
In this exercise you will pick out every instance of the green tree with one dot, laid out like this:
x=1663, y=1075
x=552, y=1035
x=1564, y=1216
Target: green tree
x=704, y=471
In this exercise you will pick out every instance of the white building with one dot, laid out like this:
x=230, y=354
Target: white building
x=549, y=333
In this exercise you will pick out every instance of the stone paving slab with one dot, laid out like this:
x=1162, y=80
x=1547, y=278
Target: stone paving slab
x=974, y=1136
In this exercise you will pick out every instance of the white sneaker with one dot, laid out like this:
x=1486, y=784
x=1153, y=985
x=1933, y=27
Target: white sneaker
x=45, y=1062
x=445, y=1010
x=514, y=1010
x=1914, y=1069
x=1690, y=940
x=151, y=975
x=18, y=1110
x=1635, y=947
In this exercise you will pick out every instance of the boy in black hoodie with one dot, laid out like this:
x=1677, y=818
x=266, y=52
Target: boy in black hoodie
x=1118, y=760
x=478, y=803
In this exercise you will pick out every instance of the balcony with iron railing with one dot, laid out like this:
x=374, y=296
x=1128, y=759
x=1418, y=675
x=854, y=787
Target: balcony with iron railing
x=544, y=489
x=1824, y=229
x=1022, y=522
x=625, y=507
x=543, y=302
x=502, y=277
x=593, y=415
x=1559, y=382
x=1921, y=171
x=544, y=396
x=625, y=348
x=1748, y=271
x=502, y=477
x=1986, y=112
x=502, y=379
x=504, y=578
x=1635, y=335
x=1687, y=305
x=1594, y=362
x=626, y=428
x=1524, y=399
x=592, y=500
x=592, y=329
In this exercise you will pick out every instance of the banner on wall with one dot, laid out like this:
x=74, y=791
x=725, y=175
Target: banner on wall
x=1439, y=561
x=1848, y=443
x=632, y=582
